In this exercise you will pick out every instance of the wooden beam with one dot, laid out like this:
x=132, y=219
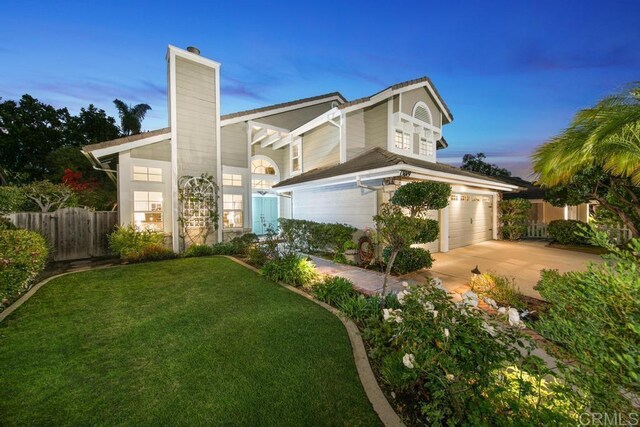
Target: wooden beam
x=271, y=139
x=259, y=136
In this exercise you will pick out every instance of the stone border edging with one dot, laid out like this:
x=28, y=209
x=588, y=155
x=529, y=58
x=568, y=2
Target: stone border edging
x=376, y=397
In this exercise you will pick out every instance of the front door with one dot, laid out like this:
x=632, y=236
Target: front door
x=265, y=213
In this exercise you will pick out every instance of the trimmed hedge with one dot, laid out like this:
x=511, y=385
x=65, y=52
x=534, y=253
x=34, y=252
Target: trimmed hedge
x=310, y=236
x=565, y=232
x=23, y=255
x=408, y=260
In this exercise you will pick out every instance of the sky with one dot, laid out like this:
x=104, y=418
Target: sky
x=512, y=72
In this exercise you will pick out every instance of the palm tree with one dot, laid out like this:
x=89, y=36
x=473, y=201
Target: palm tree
x=131, y=117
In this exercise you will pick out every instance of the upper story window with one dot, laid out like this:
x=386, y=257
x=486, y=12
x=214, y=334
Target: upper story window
x=402, y=140
x=263, y=167
x=296, y=156
x=144, y=173
x=422, y=112
x=232, y=180
x=426, y=147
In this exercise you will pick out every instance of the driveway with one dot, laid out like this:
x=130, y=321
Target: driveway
x=520, y=260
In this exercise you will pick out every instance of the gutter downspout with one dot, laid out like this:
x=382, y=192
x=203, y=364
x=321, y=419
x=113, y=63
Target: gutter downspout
x=359, y=184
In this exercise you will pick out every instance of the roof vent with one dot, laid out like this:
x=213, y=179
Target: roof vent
x=193, y=49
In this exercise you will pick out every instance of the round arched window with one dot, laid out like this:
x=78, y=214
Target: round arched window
x=422, y=112
x=263, y=167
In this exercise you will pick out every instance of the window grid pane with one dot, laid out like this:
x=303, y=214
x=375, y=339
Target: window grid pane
x=147, y=206
x=233, y=180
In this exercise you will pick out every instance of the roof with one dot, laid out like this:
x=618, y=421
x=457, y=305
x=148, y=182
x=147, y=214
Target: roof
x=377, y=158
x=282, y=105
x=125, y=139
x=530, y=190
x=400, y=86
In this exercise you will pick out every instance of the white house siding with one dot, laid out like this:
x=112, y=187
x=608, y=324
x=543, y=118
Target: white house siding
x=196, y=88
x=233, y=140
x=411, y=97
x=157, y=151
x=296, y=118
x=375, y=126
x=321, y=147
x=355, y=134
x=344, y=204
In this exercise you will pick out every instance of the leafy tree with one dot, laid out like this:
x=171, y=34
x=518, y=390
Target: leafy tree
x=513, y=217
x=49, y=196
x=131, y=117
x=93, y=125
x=598, y=156
x=12, y=199
x=476, y=163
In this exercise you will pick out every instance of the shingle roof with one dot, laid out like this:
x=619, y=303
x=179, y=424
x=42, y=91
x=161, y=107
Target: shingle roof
x=282, y=105
x=374, y=159
x=530, y=190
x=399, y=86
x=125, y=139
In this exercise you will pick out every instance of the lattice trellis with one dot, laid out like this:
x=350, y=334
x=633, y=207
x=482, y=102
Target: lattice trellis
x=198, y=197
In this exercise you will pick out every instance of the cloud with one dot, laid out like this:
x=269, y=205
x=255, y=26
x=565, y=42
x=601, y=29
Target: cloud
x=237, y=89
x=533, y=57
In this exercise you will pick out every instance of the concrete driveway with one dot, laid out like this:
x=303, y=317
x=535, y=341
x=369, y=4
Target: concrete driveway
x=520, y=260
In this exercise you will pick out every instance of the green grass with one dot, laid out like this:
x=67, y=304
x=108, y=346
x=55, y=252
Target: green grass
x=188, y=342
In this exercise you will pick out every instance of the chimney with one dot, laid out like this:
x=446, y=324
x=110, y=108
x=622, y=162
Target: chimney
x=193, y=49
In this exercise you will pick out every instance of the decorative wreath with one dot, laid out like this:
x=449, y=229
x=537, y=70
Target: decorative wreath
x=365, y=249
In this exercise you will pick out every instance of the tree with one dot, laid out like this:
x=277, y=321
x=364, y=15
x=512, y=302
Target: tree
x=400, y=231
x=93, y=125
x=49, y=196
x=131, y=117
x=513, y=217
x=476, y=163
x=598, y=157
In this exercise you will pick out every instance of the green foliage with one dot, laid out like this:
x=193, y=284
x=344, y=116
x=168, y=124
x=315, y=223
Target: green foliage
x=6, y=224
x=349, y=245
x=292, y=270
x=198, y=250
x=408, y=259
x=428, y=230
x=310, y=236
x=567, y=232
x=223, y=248
x=461, y=367
x=513, y=218
x=12, y=199
x=131, y=116
x=360, y=308
x=23, y=255
x=501, y=289
x=258, y=256
x=333, y=290
x=242, y=244
x=151, y=252
x=595, y=317
x=476, y=163
x=130, y=243
x=46, y=196
x=421, y=196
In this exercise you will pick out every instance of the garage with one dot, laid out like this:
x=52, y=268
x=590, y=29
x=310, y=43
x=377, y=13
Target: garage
x=470, y=219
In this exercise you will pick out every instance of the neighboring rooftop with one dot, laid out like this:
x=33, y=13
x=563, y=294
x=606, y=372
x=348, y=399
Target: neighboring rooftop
x=374, y=159
x=530, y=190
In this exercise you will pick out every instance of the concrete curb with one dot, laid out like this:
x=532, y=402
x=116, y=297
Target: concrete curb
x=380, y=404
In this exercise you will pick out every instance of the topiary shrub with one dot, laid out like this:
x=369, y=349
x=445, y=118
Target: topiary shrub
x=198, y=250
x=292, y=270
x=408, y=260
x=513, y=218
x=567, y=232
x=310, y=236
x=23, y=255
x=333, y=290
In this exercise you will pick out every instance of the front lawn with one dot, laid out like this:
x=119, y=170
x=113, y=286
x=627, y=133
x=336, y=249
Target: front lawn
x=189, y=341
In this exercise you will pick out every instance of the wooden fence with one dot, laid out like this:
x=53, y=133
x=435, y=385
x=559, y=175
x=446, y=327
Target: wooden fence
x=618, y=234
x=73, y=233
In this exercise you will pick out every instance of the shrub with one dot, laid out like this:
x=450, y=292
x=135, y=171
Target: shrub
x=513, y=218
x=241, y=244
x=567, y=232
x=310, y=236
x=595, y=317
x=360, y=308
x=450, y=365
x=129, y=242
x=408, y=260
x=333, y=290
x=291, y=269
x=198, y=250
x=151, y=252
x=23, y=255
x=258, y=256
x=5, y=224
x=12, y=199
x=223, y=248
x=501, y=289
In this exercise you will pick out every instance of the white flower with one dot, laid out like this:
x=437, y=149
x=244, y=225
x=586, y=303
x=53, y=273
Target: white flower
x=435, y=313
x=446, y=333
x=392, y=315
x=491, y=302
x=405, y=284
x=386, y=314
x=470, y=298
x=490, y=329
x=437, y=283
x=514, y=317
x=408, y=359
x=450, y=377
x=502, y=310
x=428, y=306
x=400, y=295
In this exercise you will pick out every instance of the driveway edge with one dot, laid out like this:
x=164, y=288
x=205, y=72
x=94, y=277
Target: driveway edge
x=376, y=397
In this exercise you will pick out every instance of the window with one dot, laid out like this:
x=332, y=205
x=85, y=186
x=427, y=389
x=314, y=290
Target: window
x=422, y=113
x=426, y=147
x=143, y=173
x=147, y=210
x=262, y=184
x=402, y=140
x=296, y=156
x=232, y=179
x=263, y=167
x=232, y=207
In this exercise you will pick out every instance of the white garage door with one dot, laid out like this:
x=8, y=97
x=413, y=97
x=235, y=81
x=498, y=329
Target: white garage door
x=470, y=219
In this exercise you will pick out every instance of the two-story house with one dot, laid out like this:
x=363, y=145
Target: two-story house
x=321, y=158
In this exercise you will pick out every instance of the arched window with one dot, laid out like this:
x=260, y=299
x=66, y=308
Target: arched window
x=422, y=112
x=264, y=173
x=263, y=166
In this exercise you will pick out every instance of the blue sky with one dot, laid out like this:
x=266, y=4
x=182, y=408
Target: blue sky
x=512, y=72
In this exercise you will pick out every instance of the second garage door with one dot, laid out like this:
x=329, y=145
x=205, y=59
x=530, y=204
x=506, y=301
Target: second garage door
x=470, y=219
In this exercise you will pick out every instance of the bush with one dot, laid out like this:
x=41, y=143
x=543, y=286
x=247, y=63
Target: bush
x=291, y=269
x=360, y=308
x=258, y=256
x=12, y=199
x=513, y=218
x=223, y=248
x=501, y=289
x=333, y=290
x=449, y=365
x=242, y=244
x=198, y=250
x=5, y=224
x=151, y=252
x=310, y=236
x=23, y=255
x=567, y=232
x=129, y=243
x=408, y=260
x=595, y=317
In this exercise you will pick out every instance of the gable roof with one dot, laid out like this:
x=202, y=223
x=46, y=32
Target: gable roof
x=378, y=158
x=530, y=191
x=125, y=139
x=426, y=81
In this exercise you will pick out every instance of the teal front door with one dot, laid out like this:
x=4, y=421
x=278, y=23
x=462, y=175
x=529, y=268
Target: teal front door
x=265, y=214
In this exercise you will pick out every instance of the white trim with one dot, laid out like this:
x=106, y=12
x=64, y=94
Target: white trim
x=310, y=125
x=268, y=159
x=173, y=122
x=101, y=152
x=252, y=116
x=176, y=51
x=295, y=142
x=343, y=138
x=494, y=219
x=426, y=107
x=219, y=143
